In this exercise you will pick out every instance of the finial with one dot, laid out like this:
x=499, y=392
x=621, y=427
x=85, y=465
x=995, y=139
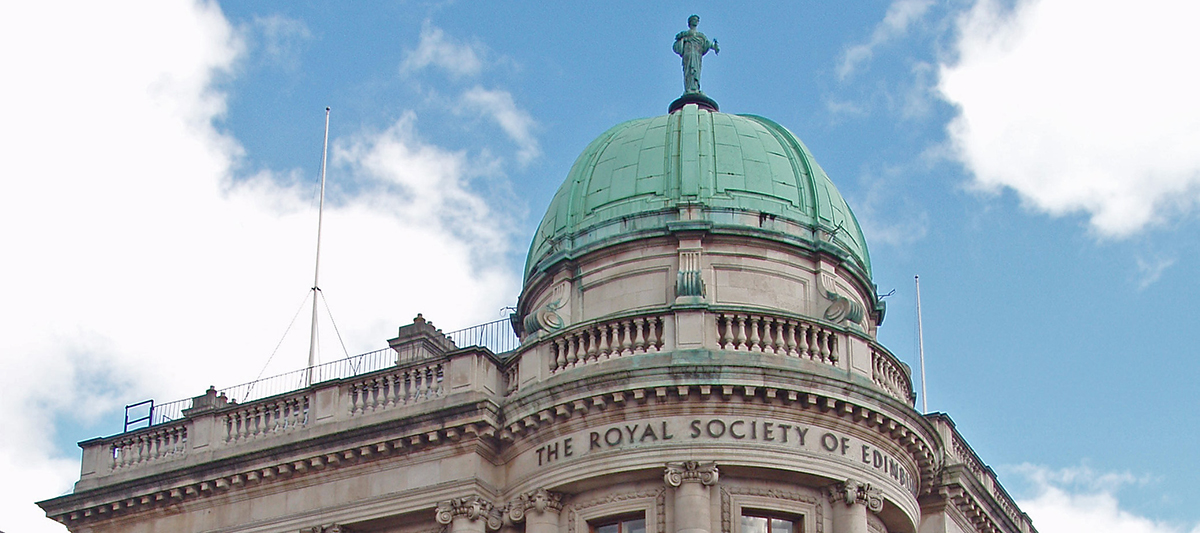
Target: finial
x=691, y=45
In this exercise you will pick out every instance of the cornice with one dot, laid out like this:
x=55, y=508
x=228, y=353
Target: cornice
x=85, y=510
x=911, y=435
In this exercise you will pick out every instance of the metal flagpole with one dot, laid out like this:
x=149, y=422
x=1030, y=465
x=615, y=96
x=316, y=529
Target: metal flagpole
x=921, y=344
x=312, y=341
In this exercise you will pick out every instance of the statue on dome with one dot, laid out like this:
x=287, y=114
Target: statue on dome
x=691, y=45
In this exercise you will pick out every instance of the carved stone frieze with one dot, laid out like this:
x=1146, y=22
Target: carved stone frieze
x=540, y=500
x=852, y=491
x=686, y=471
x=471, y=508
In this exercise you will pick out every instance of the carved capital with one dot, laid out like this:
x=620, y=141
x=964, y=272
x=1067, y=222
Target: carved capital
x=540, y=500
x=852, y=491
x=331, y=528
x=687, y=471
x=471, y=508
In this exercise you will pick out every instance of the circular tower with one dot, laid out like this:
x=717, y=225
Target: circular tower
x=697, y=329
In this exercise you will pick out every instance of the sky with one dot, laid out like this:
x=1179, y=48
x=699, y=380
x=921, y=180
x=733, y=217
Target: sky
x=1035, y=162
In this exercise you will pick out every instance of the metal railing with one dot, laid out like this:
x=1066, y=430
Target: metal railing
x=496, y=336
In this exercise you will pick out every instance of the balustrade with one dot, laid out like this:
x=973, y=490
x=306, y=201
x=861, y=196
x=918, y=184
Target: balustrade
x=606, y=340
x=161, y=443
x=267, y=417
x=744, y=332
x=402, y=386
x=886, y=373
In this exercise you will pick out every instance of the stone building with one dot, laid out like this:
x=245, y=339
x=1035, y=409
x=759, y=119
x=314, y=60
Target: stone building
x=697, y=354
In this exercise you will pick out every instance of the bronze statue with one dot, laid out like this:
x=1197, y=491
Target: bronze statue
x=691, y=45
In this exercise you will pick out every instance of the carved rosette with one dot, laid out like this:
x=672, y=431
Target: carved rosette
x=852, y=492
x=678, y=473
x=471, y=508
x=540, y=500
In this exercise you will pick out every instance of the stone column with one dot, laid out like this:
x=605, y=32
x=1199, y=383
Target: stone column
x=693, y=501
x=539, y=509
x=851, y=500
x=471, y=514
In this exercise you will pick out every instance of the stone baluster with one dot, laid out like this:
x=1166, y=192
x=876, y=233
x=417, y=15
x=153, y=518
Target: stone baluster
x=790, y=338
x=755, y=339
x=741, y=337
x=627, y=342
x=692, y=482
x=657, y=333
x=602, y=350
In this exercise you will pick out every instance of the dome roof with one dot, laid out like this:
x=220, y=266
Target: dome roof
x=697, y=169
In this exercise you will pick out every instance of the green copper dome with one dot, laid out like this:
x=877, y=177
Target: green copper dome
x=697, y=169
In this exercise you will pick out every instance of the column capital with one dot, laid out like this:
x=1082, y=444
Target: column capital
x=331, y=528
x=853, y=491
x=470, y=508
x=689, y=471
x=539, y=500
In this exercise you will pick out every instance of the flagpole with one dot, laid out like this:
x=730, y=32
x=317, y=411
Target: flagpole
x=312, y=341
x=921, y=344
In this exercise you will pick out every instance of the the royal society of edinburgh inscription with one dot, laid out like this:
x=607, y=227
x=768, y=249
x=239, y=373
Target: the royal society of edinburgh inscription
x=805, y=439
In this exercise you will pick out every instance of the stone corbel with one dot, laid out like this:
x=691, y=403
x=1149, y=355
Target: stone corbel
x=471, y=508
x=540, y=500
x=690, y=471
x=546, y=317
x=852, y=491
x=840, y=307
x=689, y=282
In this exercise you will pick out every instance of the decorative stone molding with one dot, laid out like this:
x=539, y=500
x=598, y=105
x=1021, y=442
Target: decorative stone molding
x=471, y=508
x=547, y=317
x=540, y=500
x=660, y=505
x=852, y=491
x=678, y=473
x=331, y=528
x=689, y=282
x=727, y=504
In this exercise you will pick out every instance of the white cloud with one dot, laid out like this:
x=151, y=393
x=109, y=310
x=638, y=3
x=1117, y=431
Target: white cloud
x=1082, y=500
x=135, y=265
x=1081, y=107
x=282, y=39
x=1151, y=270
x=900, y=15
x=499, y=106
x=457, y=58
x=886, y=215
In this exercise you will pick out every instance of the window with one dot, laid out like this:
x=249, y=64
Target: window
x=759, y=522
x=626, y=524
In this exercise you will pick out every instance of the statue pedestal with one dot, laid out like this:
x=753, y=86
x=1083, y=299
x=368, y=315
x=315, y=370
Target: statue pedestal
x=694, y=98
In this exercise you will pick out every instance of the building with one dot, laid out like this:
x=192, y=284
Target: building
x=697, y=354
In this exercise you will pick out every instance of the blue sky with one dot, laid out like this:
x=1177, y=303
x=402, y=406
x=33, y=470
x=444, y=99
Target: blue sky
x=1034, y=162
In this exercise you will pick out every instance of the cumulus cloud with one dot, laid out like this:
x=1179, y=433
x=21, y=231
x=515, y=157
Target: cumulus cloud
x=1082, y=500
x=139, y=266
x=1080, y=107
x=499, y=106
x=900, y=15
x=436, y=49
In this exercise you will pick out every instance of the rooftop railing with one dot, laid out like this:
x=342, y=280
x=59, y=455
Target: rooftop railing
x=496, y=336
